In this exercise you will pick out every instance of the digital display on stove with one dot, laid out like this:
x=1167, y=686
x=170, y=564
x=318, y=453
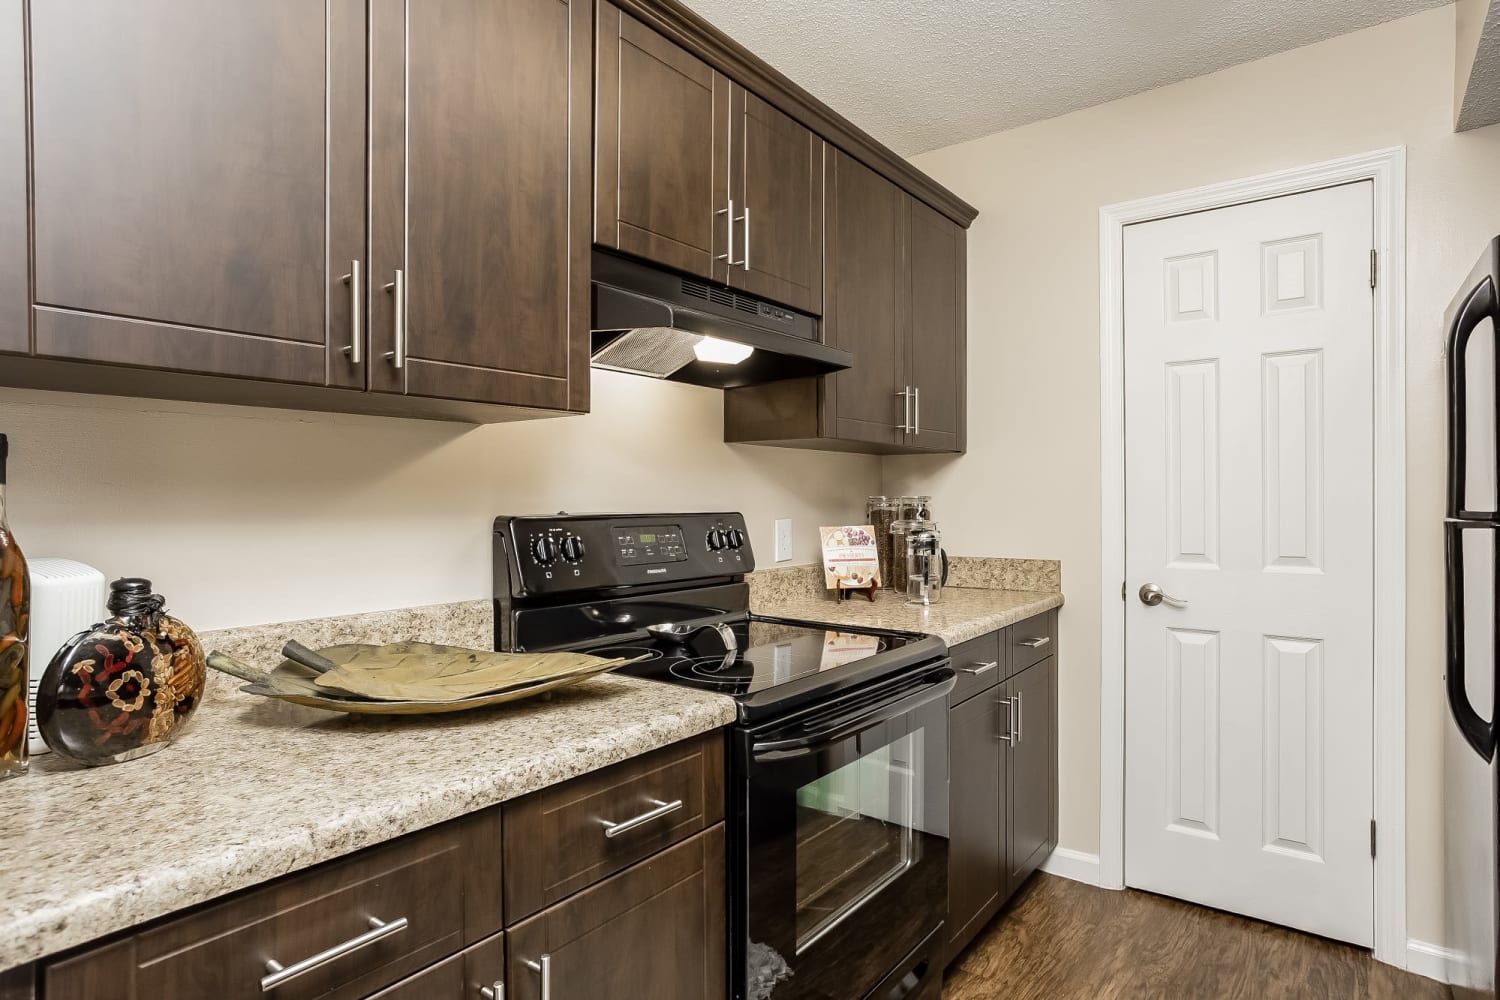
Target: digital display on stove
x=649, y=545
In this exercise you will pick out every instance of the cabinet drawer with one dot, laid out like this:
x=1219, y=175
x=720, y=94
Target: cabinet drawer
x=567, y=837
x=1032, y=641
x=463, y=975
x=444, y=883
x=979, y=666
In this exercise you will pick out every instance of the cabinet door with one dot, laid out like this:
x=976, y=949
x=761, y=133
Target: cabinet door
x=935, y=343
x=776, y=173
x=977, y=865
x=653, y=932
x=479, y=246
x=15, y=290
x=1033, y=769
x=866, y=303
x=198, y=184
x=661, y=166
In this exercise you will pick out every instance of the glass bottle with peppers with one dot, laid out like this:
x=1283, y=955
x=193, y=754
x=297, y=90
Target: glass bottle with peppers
x=15, y=620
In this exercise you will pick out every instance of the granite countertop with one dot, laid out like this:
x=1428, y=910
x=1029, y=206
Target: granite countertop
x=257, y=788
x=962, y=614
x=983, y=595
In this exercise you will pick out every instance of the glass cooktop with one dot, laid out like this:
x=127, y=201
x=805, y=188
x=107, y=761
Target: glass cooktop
x=770, y=654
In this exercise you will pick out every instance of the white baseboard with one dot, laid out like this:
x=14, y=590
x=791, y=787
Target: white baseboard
x=1446, y=965
x=1075, y=865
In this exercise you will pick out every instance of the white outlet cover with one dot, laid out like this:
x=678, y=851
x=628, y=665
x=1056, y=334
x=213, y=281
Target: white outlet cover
x=783, y=539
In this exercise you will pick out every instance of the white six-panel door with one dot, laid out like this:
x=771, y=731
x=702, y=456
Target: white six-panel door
x=1249, y=496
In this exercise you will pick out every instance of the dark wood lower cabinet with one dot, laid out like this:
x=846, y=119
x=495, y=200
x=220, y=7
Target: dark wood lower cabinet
x=977, y=864
x=639, y=914
x=444, y=881
x=1002, y=750
x=653, y=932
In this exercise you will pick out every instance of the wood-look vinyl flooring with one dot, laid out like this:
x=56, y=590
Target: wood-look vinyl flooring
x=1060, y=939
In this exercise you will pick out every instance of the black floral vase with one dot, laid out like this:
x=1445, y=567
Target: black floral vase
x=125, y=688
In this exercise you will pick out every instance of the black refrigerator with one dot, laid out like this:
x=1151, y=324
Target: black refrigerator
x=1471, y=856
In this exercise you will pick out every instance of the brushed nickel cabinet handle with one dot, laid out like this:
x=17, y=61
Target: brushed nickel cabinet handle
x=397, y=355
x=1036, y=643
x=544, y=969
x=905, y=395
x=613, y=830
x=981, y=668
x=746, y=220
x=355, y=350
x=277, y=974
x=1020, y=718
x=916, y=422
x=1009, y=736
x=495, y=991
x=728, y=256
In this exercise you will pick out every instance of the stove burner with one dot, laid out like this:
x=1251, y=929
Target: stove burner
x=713, y=671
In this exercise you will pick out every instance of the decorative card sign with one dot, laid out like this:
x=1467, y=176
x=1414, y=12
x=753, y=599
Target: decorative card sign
x=851, y=560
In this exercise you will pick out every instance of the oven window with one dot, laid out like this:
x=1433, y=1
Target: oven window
x=856, y=833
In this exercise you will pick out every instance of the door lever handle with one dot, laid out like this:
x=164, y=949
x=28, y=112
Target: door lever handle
x=1152, y=595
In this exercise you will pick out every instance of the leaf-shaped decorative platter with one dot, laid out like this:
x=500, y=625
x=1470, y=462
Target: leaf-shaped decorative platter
x=416, y=678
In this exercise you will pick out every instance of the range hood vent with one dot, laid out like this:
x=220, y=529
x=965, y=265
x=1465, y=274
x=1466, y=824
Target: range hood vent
x=648, y=321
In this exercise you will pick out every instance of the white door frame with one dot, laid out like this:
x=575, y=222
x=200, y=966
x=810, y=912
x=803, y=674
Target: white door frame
x=1387, y=168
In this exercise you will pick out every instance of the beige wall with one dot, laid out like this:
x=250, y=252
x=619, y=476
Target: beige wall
x=1029, y=485
x=243, y=516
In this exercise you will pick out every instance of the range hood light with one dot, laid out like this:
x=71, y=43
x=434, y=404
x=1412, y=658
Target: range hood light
x=721, y=352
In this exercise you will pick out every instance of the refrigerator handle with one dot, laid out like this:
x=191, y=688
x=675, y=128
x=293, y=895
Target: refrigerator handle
x=1477, y=307
x=1479, y=733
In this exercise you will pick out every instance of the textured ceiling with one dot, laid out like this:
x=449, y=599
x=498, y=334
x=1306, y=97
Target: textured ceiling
x=920, y=74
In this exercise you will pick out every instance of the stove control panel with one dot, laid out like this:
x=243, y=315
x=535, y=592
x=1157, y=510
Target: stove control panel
x=543, y=555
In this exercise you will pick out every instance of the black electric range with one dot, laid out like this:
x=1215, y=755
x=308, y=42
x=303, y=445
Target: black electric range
x=838, y=781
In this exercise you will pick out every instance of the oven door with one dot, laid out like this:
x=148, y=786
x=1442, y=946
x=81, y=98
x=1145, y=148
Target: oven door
x=842, y=840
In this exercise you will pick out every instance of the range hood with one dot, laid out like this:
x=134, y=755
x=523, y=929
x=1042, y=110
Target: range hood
x=648, y=321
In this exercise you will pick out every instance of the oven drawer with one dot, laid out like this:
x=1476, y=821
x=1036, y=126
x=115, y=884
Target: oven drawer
x=567, y=837
x=979, y=664
x=1032, y=641
x=433, y=892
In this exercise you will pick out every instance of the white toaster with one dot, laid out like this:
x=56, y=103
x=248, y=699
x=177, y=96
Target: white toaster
x=67, y=597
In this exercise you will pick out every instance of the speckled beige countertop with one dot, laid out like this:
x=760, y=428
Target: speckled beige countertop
x=256, y=789
x=961, y=614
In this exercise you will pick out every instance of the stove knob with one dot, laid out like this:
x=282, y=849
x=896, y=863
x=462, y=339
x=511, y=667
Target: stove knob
x=544, y=550
x=572, y=549
x=736, y=538
x=716, y=539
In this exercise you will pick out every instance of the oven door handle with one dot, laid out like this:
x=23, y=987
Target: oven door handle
x=933, y=685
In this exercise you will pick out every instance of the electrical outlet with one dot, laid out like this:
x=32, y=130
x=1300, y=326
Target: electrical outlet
x=783, y=539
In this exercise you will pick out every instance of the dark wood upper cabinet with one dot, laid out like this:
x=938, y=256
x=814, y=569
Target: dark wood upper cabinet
x=479, y=271
x=15, y=291
x=198, y=184
x=936, y=342
x=776, y=174
x=653, y=932
x=865, y=303
x=1032, y=812
x=894, y=297
x=661, y=169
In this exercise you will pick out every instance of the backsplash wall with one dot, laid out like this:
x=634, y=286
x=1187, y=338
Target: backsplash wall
x=243, y=515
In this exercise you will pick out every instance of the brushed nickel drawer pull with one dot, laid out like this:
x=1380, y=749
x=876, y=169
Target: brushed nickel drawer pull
x=1036, y=643
x=982, y=668
x=495, y=992
x=613, y=830
x=544, y=968
x=279, y=974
